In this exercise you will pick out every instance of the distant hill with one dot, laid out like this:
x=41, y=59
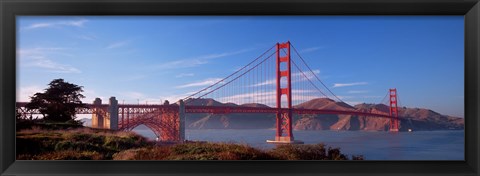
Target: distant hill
x=228, y=121
x=86, y=122
x=414, y=118
x=418, y=118
x=410, y=118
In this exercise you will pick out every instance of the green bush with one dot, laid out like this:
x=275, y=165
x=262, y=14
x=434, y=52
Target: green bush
x=194, y=151
x=78, y=146
x=92, y=144
x=307, y=152
x=69, y=155
x=40, y=144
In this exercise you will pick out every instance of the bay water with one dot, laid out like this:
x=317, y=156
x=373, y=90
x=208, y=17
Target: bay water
x=416, y=145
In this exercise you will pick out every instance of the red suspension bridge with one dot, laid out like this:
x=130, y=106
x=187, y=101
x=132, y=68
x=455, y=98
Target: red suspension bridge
x=277, y=82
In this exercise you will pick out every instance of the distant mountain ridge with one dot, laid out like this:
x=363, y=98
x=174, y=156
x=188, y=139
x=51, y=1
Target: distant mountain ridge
x=410, y=118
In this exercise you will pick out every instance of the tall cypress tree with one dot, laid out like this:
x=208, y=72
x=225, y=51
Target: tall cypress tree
x=59, y=101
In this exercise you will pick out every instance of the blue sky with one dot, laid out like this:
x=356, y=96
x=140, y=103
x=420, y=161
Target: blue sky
x=152, y=59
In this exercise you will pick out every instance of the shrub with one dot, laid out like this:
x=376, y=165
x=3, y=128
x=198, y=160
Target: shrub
x=78, y=146
x=38, y=144
x=69, y=155
x=149, y=153
x=306, y=152
x=93, y=144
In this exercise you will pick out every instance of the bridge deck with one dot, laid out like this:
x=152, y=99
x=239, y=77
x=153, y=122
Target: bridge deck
x=219, y=109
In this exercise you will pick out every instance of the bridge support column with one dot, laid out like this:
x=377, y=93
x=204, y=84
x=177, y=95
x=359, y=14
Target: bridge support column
x=393, y=110
x=97, y=117
x=113, y=113
x=284, y=117
x=181, y=116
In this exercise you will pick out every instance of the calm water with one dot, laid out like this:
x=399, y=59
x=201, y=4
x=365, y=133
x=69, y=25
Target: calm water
x=417, y=145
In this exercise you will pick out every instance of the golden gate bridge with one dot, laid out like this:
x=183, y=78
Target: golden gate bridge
x=277, y=82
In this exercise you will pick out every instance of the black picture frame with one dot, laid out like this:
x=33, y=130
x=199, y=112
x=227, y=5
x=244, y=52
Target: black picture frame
x=9, y=9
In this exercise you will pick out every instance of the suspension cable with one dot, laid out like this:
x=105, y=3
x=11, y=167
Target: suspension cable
x=308, y=79
x=236, y=77
x=230, y=74
x=314, y=73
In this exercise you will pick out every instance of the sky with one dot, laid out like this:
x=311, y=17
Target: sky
x=152, y=59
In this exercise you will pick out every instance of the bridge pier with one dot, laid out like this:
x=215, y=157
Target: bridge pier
x=166, y=121
x=181, y=116
x=105, y=117
x=98, y=118
x=113, y=113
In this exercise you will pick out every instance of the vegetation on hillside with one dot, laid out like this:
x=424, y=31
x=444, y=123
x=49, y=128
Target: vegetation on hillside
x=77, y=144
x=94, y=144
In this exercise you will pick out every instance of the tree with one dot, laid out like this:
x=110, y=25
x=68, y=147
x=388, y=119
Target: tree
x=59, y=101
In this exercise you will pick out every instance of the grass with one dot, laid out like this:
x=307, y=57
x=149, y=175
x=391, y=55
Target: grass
x=81, y=143
x=95, y=144
x=228, y=151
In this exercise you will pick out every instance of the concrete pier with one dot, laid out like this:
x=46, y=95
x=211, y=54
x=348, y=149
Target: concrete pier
x=97, y=117
x=113, y=113
x=284, y=140
x=181, y=116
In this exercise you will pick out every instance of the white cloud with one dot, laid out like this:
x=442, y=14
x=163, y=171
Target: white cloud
x=40, y=58
x=38, y=51
x=357, y=91
x=236, y=68
x=214, y=56
x=24, y=94
x=267, y=82
x=174, y=98
x=311, y=49
x=134, y=95
x=353, y=103
x=73, y=23
x=306, y=74
x=349, y=84
x=196, y=61
x=268, y=98
x=39, y=25
x=87, y=37
x=345, y=97
x=181, y=64
x=185, y=75
x=206, y=82
x=303, y=76
x=90, y=96
x=371, y=96
x=149, y=101
x=117, y=44
x=51, y=66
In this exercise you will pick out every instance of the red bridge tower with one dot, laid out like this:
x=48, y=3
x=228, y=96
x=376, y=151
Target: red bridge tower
x=393, y=110
x=284, y=115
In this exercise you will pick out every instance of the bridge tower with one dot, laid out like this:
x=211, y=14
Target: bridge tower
x=393, y=110
x=98, y=118
x=105, y=117
x=283, y=116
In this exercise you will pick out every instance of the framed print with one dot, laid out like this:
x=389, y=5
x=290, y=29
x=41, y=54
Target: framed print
x=308, y=87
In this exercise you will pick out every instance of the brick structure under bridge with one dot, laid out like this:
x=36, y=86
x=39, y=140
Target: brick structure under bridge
x=167, y=121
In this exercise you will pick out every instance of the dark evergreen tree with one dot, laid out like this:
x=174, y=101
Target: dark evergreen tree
x=59, y=101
